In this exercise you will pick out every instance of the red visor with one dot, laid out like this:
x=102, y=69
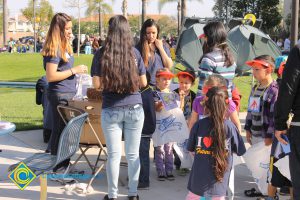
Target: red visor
x=185, y=74
x=258, y=64
x=165, y=74
x=202, y=36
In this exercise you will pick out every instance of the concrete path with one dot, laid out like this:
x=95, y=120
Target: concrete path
x=20, y=145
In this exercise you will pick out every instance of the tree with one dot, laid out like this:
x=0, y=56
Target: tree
x=1, y=17
x=98, y=7
x=144, y=10
x=43, y=15
x=168, y=26
x=181, y=9
x=124, y=7
x=267, y=10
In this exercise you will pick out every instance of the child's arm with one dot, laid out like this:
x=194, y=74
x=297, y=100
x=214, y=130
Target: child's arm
x=237, y=143
x=192, y=120
x=235, y=119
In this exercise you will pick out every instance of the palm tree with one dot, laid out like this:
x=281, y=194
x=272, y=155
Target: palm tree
x=98, y=7
x=4, y=18
x=144, y=8
x=181, y=4
x=124, y=8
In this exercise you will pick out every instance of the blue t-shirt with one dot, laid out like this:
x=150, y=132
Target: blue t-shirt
x=113, y=99
x=66, y=85
x=202, y=179
x=156, y=63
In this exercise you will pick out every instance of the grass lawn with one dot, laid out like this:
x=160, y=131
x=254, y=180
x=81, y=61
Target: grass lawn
x=29, y=66
x=18, y=105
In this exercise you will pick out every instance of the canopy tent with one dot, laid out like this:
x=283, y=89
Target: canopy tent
x=248, y=42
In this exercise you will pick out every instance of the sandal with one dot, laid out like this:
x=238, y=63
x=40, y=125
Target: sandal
x=252, y=193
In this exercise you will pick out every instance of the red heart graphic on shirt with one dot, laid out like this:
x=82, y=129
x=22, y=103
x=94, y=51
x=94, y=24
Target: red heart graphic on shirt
x=207, y=141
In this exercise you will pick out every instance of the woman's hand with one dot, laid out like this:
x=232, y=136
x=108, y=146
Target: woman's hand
x=80, y=69
x=159, y=44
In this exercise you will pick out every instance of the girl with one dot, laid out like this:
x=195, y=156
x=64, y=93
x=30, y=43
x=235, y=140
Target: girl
x=186, y=79
x=58, y=62
x=217, y=58
x=163, y=153
x=213, y=139
x=122, y=110
x=198, y=104
x=155, y=55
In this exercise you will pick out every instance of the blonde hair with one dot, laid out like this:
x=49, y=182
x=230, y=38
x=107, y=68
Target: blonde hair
x=215, y=80
x=56, y=44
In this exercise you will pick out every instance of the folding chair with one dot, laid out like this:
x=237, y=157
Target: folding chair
x=42, y=163
x=66, y=112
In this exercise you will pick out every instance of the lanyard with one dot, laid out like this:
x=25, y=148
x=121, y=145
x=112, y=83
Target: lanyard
x=262, y=91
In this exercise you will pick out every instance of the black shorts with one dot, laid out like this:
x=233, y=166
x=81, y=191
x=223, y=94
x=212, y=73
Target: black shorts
x=278, y=180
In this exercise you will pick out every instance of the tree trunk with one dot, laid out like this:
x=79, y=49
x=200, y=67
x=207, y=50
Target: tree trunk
x=124, y=8
x=100, y=20
x=144, y=8
x=178, y=17
x=183, y=10
x=79, y=35
x=5, y=22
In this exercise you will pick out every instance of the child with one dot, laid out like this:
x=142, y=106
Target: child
x=259, y=124
x=213, y=139
x=163, y=153
x=186, y=79
x=148, y=129
x=198, y=104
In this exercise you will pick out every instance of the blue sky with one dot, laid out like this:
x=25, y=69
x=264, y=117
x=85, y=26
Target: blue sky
x=194, y=8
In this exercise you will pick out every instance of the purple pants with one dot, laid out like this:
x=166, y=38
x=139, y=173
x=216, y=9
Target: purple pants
x=164, y=158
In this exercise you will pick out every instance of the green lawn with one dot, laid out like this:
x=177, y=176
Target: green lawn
x=18, y=105
x=28, y=67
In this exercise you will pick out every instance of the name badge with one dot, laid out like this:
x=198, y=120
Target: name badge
x=68, y=56
x=254, y=104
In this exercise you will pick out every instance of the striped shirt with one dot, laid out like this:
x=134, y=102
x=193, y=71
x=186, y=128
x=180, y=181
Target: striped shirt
x=261, y=124
x=214, y=63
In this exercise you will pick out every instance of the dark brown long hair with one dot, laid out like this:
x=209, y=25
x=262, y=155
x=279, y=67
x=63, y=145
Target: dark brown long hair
x=217, y=104
x=143, y=43
x=119, y=68
x=216, y=38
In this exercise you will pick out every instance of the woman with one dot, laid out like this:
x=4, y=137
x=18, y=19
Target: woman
x=58, y=62
x=217, y=58
x=155, y=54
x=122, y=110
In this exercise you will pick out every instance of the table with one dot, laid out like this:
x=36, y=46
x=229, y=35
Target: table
x=6, y=128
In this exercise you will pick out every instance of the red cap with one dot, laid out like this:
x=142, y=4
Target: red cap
x=165, y=74
x=201, y=36
x=281, y=68
x=185, y=74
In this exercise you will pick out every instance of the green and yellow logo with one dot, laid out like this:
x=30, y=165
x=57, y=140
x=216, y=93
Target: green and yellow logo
x=22, y=176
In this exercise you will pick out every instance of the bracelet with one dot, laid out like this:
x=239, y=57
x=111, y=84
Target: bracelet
x=71, y=71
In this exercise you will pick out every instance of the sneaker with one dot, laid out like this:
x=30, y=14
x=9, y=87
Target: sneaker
x=143, y=186
x=284, y=191
x=182, y=172
x=60, y=175
x=107, y=198
x=161, y=177
x=170, y=176
x=134, y=197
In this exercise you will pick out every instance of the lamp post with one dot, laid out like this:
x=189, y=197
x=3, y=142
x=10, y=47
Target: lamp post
x=294, y=27
x=4, y=22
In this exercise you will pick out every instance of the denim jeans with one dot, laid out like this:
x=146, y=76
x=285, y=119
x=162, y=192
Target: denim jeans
x=145, y=162
x=114, y=121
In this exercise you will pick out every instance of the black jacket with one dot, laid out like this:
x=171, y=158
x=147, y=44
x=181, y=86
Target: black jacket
x=149, y=110
x=289, y=91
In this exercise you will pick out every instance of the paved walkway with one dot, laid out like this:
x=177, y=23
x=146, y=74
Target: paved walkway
x=20, y=145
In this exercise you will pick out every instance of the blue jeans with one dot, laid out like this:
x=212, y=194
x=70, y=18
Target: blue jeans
x=145, y=162
x=114, y=121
